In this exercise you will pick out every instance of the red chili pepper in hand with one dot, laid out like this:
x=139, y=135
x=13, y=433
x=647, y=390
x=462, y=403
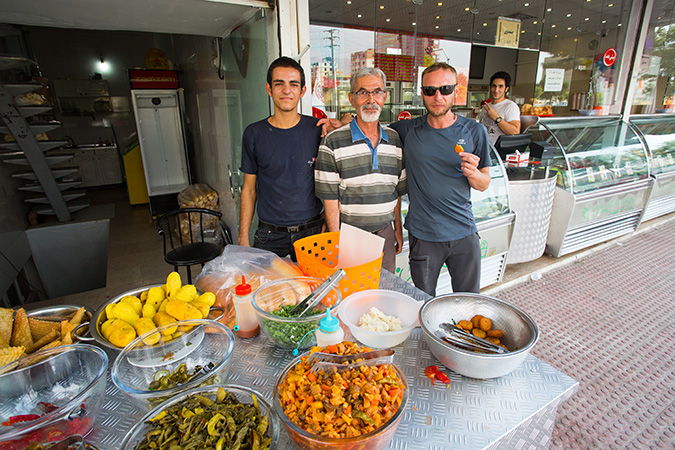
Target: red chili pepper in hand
x=13, y=420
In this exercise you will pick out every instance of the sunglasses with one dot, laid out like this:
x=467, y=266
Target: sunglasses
x=430, y=91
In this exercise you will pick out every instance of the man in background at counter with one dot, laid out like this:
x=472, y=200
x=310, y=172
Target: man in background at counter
x=359, y=171
x=277, y=159
x=445, y=156
x=499, y=115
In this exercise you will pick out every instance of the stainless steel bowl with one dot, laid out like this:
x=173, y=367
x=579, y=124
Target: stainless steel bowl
x=520, y=333
x=58, y=313
x=100, y=316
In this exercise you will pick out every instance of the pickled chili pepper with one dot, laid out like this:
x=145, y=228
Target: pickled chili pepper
x=13, y=420
x=47, y=407
x=433, y=372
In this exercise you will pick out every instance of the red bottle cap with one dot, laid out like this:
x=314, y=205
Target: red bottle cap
x=243, y=288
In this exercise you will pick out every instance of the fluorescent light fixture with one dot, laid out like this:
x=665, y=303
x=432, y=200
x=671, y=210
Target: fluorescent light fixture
x=103, y=66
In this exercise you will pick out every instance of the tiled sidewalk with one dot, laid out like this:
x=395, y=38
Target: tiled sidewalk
x=607, y=321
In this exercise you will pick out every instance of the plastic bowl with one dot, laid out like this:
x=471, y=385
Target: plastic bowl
x=520, y=333
x=243, y=394
x=391, y=303
x=291, y=332
x=206, y=342
x=72, y=378
x=375, y=440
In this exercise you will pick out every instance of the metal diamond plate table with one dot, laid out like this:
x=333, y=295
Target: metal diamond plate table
x=514, y=411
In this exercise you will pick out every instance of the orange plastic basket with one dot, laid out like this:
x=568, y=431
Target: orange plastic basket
x=318, y=257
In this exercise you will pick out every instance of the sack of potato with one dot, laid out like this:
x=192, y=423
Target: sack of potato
x=21, y=335
x=197, y=196
x=133, y=316
x=223, y=273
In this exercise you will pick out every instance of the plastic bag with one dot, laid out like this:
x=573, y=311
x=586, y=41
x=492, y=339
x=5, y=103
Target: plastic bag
x=222, y=274
x=198, y=196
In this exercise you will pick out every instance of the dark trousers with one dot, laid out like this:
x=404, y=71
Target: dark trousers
x=389, y=251
x=275, y=239
x=462, y=257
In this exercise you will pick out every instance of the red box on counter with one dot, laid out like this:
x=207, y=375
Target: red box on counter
x=517, y=159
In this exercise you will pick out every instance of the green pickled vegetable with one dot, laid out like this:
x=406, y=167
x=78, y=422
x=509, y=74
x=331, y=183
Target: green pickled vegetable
x=288, y=334
x=221, y=424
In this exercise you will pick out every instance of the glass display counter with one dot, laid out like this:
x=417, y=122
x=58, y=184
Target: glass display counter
x=603, y=180
x=658, y=133
x=494, y=221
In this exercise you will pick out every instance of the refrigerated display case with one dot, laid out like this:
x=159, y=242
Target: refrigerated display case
x=658, y=134
x=602, y=180
x=494, y=220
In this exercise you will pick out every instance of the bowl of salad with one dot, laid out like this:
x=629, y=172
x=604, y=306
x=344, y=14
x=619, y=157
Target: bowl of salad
x=274, y=303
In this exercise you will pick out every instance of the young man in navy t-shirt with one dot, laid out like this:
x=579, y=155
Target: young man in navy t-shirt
x=278, y=155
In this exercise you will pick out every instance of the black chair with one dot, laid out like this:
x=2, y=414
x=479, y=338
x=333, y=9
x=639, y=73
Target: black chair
x=194, y=235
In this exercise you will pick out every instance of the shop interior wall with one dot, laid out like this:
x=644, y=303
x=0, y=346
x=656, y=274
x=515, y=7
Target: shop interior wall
x=74, y=53
x=218, y=109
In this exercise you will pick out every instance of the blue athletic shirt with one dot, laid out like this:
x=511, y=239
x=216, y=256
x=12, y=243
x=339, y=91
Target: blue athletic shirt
x=283, y=161
x=439, y=193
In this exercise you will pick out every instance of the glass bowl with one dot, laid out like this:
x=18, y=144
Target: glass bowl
x=391, y=303
x=374, y=440
x=291, y=332
x=243, y=394
x=207, y=343
x=63, y=387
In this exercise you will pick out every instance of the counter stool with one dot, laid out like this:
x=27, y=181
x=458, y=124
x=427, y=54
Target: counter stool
x=194, y=235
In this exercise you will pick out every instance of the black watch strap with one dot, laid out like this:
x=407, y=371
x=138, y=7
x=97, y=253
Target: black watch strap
x=498, y=119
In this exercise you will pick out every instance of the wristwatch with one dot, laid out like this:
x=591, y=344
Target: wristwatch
x=498, y=119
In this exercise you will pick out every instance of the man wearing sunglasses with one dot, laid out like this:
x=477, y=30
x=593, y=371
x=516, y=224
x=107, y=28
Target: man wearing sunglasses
x=500, y=116
x=445, y=156
x=359, y=172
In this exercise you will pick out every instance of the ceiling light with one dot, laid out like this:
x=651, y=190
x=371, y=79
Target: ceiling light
x=586, y=19
x=359, y=16
x=604, y=21
x=576, y=40
x=438, y=17
x=437, y=27
x=569, y=15
x=569, y=28
x=388, y=20
x=414, y=24
x=553, y=26
x=538, y=34
x=477, y=32
x=349, y=2
x=381, y=6
x=103, y=66
x=522, y=31
x=535, y=22
x=467, y=9
x=526, y=4
x=548, y=10
x=440, y=3
x=658, y=18
x=459, y=29
x=619, y=25
x=610, y=5
x=556, y=35
x=485, y=24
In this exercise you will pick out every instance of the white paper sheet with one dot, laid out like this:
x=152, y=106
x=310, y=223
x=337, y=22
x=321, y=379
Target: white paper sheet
x=358, y=247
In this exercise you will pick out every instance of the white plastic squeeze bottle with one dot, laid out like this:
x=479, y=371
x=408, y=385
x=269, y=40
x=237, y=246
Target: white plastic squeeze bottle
x=246, y=321
x=329, y=332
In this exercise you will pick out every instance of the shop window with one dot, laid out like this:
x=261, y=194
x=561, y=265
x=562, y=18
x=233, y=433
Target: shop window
x=655, y=89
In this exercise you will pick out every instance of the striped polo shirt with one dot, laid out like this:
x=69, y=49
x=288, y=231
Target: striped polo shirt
x=366, y=181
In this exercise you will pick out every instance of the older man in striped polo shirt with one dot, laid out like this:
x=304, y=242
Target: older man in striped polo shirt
x=359, y=172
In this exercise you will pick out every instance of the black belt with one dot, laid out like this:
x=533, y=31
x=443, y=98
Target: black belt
x=293, y=229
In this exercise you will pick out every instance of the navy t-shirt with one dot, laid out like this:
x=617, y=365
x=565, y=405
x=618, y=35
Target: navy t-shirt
x=439, y=193
x=283, y=161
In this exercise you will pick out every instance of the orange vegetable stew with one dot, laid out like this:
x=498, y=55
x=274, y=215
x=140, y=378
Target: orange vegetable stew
x=342, y=404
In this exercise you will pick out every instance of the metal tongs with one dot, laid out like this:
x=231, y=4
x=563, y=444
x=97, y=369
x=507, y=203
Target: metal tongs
x=454, y=335
x=330, y=363
x=318, y=294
